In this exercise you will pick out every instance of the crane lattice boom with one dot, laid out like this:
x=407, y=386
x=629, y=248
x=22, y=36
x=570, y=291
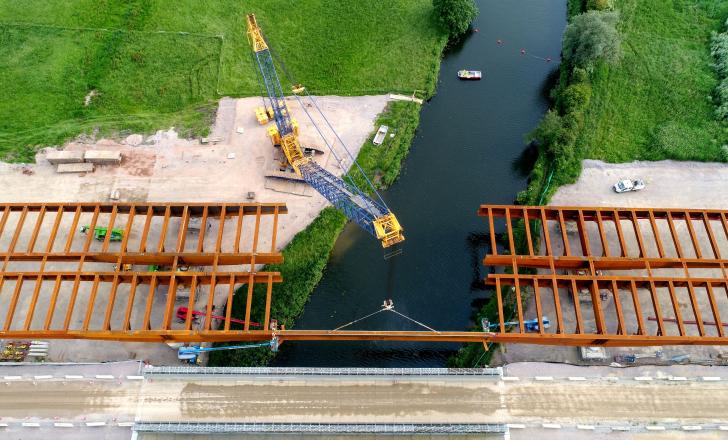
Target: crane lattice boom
x=372, y=216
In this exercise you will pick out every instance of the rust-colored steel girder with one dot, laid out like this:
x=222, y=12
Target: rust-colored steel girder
x=117, y=271
x=598, y=274
x=599, y=271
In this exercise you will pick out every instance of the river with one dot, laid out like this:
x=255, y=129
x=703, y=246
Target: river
x=468, y=150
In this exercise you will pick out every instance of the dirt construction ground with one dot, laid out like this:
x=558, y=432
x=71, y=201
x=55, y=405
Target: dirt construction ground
x=669, y=184
x=163, y=168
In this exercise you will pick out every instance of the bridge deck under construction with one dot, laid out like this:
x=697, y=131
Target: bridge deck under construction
x=609, y=276
x=602, y=276
x=117, y=271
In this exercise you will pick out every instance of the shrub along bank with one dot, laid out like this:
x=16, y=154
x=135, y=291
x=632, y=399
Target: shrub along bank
x=306, y=256
x=653, y=101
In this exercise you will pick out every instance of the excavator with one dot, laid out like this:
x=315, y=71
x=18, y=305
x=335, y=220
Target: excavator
x=372, y=216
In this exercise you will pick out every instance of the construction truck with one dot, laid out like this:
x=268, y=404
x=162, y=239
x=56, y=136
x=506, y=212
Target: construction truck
x=100, y=233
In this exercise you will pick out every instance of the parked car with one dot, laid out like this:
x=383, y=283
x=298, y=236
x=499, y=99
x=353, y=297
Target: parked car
x=629, y=185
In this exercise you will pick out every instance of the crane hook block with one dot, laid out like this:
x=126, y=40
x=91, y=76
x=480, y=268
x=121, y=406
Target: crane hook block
x=388, y=230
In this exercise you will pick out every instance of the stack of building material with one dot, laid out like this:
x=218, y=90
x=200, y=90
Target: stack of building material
x=83, y=167
x=57, y=157
x=38, y=349
x=82, y=161
x=102, y=157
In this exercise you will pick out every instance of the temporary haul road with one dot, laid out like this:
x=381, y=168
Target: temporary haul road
x=364, y=397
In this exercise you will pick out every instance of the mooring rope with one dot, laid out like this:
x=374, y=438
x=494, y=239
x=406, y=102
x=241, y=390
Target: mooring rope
x=357, y=320
x=388, y=305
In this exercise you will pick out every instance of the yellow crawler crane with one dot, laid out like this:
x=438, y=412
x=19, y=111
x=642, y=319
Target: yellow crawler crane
x=373, y=216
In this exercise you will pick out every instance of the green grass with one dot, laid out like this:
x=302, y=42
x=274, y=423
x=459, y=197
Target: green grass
x=140, y=82
x=656, y=103
x=54, y=53
x=306, y=255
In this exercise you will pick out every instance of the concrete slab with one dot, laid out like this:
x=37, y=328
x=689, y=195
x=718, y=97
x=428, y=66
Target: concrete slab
x=67, y=168
x=102, y=157
x=55, y=157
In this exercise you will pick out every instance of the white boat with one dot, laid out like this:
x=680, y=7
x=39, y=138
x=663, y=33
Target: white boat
x=470, y=74
x=381, y=133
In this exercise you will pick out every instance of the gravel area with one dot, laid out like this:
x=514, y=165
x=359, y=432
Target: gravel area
x=670, y=184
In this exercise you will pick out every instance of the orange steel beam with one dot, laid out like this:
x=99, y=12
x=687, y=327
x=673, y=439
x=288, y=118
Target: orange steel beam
x=150, y=258
x=590, y=213
x=586, y=339
x=628, y=290
x=58, y=283
x=602, y=263
x=648, y=270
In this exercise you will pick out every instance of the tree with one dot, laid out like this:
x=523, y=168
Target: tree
x=592, y=37
x=455, y=15
x=599, y=5
x=549, y=133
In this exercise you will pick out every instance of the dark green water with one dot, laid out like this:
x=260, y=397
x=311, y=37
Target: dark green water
x=469, y=150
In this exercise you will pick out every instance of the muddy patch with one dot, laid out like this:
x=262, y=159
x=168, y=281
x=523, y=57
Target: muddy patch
x=140, y=164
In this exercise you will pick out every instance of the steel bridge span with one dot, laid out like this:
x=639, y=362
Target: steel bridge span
x=604, y=276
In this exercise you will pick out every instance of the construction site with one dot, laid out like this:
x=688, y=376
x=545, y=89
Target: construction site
x=128, y=261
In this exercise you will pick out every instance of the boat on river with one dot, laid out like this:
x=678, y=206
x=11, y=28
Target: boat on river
x=472, y=75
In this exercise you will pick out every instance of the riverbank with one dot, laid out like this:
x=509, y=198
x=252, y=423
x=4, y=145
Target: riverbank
x=654, y=104
x=306, y=256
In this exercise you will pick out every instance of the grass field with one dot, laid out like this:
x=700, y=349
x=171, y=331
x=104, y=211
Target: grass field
x=52, y=70
x=52, y=54
x=656, y=104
